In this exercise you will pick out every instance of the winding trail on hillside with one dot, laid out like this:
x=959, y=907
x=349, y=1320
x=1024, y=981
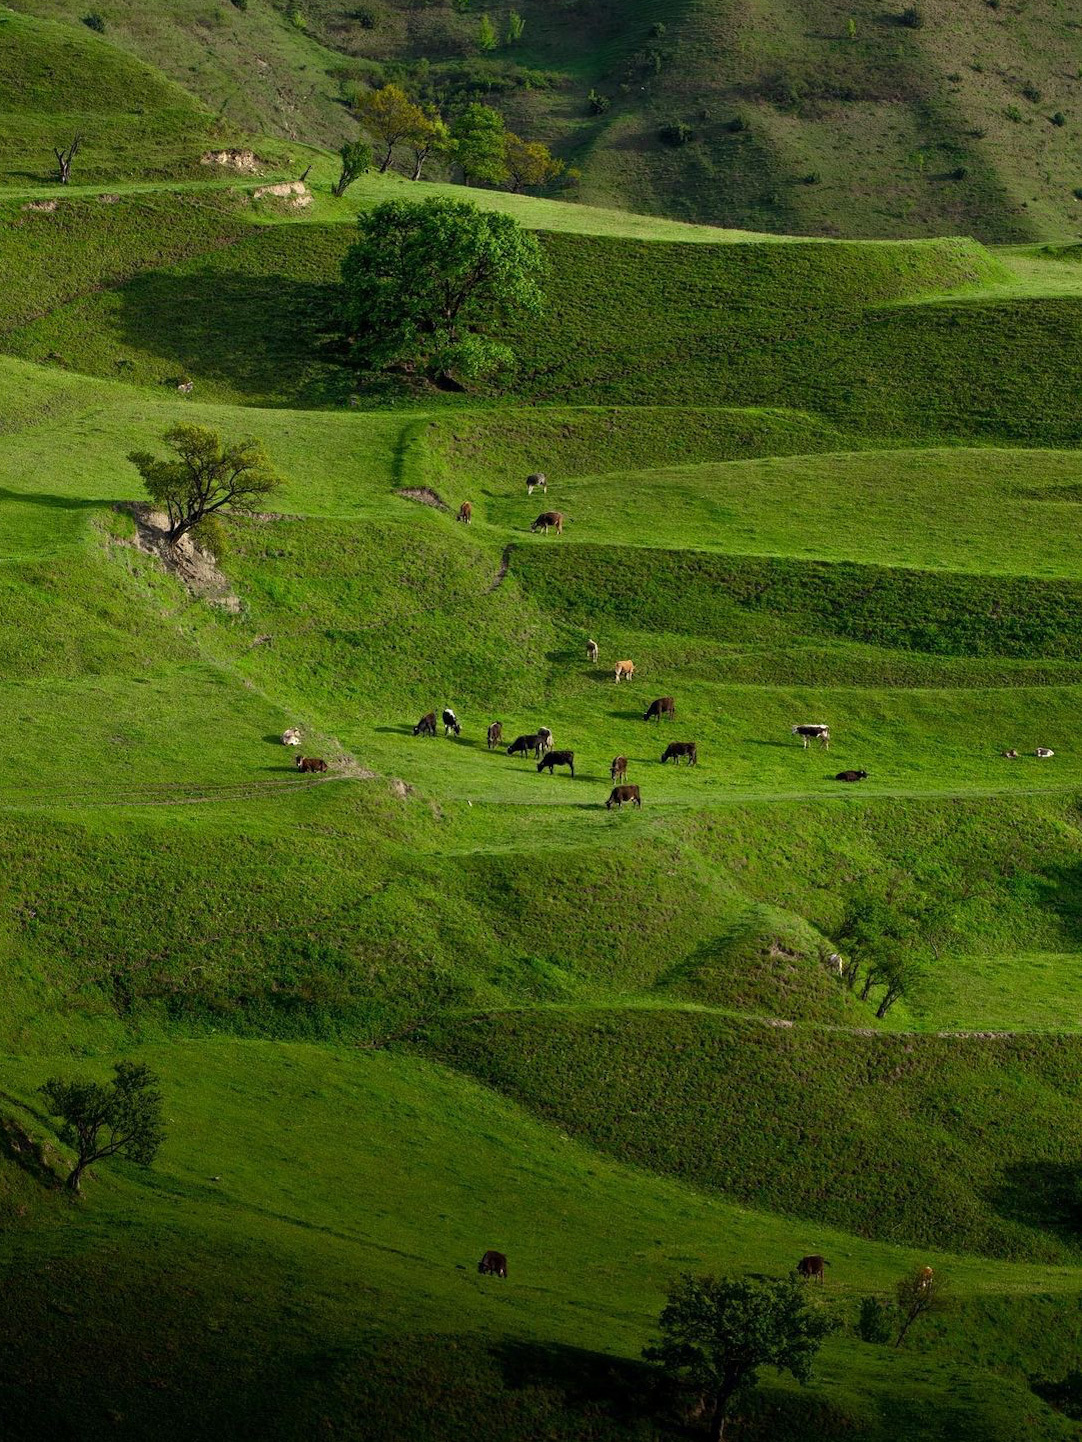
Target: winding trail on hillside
x=178, y=793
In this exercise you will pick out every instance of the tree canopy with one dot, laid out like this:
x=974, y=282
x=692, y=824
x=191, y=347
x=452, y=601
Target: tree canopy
x=717, y=1332
x=479, y=145
x=207, y=476
x=391, y=116
x=427, y=282
x=529, y=163
x=99, y=1121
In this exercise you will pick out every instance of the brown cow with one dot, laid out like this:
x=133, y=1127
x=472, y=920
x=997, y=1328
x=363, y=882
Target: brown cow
x=681, y=750
x=926, y=1275
x=465, y=513
x=493, y=1264
x=311, y=763
x=663, y=706
x=592, y=652
x=549, y=518
x=557, y=758
x=625, y=670
x=618, y=769
x=851, y=776
x=426, y=726
x=620, y=794
x=495, y=735
x=812, y=1267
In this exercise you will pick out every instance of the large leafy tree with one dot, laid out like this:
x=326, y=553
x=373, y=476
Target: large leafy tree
x=391, y=116
x=479, y=141
x=529, y=163
x=206, y=477
x=427, y=282
x=717, y=1332
x=120, y=1118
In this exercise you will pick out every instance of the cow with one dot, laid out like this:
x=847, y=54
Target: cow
x=450, y=722
x=810, y=733
x=812, y=1268
x=549, y=518
x=493, y=1264
x=663, y=706
x=426, y=726
x=537, y=482
x=925, y=1279
x=495, y=735
x=544, y=738
x=1044, y=753
x=592, y=652
x=557, y=758
x=291, y=736
x=677, y=750
x=185, y=388
x=1011, y=755
x=465, y=513
x=618, y=769
x=621, y=794
x=851, y=776
x=625, y=670
x=522, y=744
x=311, y=763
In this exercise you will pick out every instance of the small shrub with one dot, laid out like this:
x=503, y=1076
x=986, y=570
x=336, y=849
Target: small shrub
x=676, y=132
x=295, y=15
x=364, y=18
x=240, y=4
x=1013, y=113
x=737, y=125
x=1059, y=118
x=597, y=102
x=912, y=17
x=94, y=21
x=874, y=1322
x=1077, y=192
x=812, y=178
x=1031, y=93
x=959, y=173
x=657, y=30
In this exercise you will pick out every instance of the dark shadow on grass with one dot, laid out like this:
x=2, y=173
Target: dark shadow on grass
x=626, y=715
x=56, y=503
x=623, y=1390
x=1043, y=1195
x=18, y=1147
x=398, y=731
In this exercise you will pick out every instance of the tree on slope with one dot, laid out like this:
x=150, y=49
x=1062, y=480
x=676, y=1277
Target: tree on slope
x=122, y=1118
x=529, y=163
x=427, y=282
x=206, y=477
x=356, y=157
x=391, y=116
x=479, y=141
x=718, y=1332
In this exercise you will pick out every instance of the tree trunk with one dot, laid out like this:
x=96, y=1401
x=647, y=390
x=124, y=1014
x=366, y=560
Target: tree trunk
x=418, y=166
x=387, y=159
x=74, y=1180
x=869, y=982
x=717, y=1418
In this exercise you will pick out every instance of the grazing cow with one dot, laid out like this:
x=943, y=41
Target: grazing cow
x=493, y=1264
x=450, y=722
x=618, y=769
x=1043, y=752
x=677, y=750
x=557, y=758
x=549, y=518
x=426, y=726
x=465, y=513
x=495, y=735
x=1010, y=755
x=291, y=736
x=544, y=737
x=663, y=706
x=812, y=1267
x=186, y=387
x=592, y=652
x=851, y=776
x=537, y=482
x=523, y=744
x=625, y=670
x=812, y=733
x=311, y=763
x=926, y=1275
x=620, y=794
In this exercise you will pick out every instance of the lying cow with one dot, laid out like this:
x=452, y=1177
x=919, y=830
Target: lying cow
x=812, y=1268
x=311, y=763
x=495, y=735
x=557, y=758
x=681, y=751
x=663, y=706
x=547, y=519
x=812, y=733
x=625, y=670
x=1043, y=752
x=537, y=482
x=450, y=723
x=851, y=776
x=426, y=726
x=465, y=513
x=618, y=769
x=592, y=652
x=493, y=1264
x=621, y=794
x=1011, y=755
x=291, y=736
x=522, y=745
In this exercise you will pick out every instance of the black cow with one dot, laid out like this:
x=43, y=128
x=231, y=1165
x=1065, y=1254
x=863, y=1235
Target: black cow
x=557, y=758
x=493, y=1264
x=450, y=723
x=495, y=735
x=663, y=706
x=681, y=750
x=523, y=744
x=426, y=726
x=812, y=733
x=621, y=794
x=812, y=1267
x=851, y=776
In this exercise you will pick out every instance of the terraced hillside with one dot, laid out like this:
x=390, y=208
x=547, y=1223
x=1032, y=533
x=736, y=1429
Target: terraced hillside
x=433, y=1001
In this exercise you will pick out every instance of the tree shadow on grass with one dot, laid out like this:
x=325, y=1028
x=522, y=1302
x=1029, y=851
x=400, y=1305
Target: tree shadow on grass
x=58, y=503
x=17, y=1146
x=624, y=1391
x=1044, y=1195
